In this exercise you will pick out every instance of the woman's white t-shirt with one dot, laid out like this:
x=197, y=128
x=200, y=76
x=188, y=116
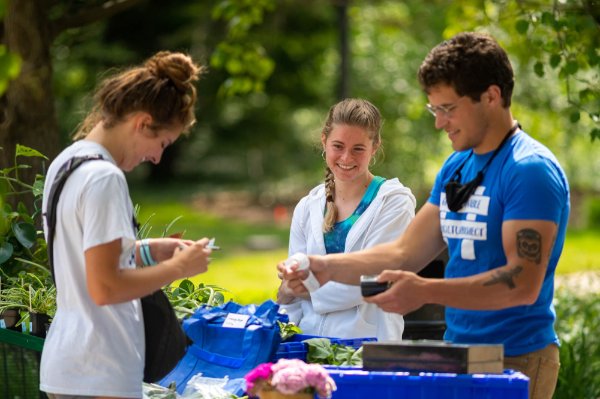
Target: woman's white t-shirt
x=91, y=350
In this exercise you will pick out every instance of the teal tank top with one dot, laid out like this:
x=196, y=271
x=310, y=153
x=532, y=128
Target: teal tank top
x=335, y=240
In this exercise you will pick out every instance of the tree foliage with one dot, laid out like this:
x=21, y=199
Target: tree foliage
x=10, y=64
x=557, y=40
x=274, y=68
x=245, y=60
x=564, y=39
x=555, y=50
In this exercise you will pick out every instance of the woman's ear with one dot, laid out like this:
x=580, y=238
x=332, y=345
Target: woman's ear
x=323, y=141
x=143, y=122
x=375, y=148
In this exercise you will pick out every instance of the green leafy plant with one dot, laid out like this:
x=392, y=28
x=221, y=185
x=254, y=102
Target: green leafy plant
x=145, y=228
x=186, y=297
x=578, y=323
x=287, y=330
x=154, y=391
x=322, y=351
x=29, y=293
x=22, y=245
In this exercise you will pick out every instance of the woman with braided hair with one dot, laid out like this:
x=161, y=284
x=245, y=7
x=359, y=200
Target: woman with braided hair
x=95, y=347
x=351, y=210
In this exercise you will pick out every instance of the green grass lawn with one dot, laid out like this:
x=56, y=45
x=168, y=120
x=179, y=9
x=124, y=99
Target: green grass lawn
x=250, y=276
x=581, y=252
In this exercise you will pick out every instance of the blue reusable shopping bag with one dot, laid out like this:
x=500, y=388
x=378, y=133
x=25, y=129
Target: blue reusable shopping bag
x=228, y=340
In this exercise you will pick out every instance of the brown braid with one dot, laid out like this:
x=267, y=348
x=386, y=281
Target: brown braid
x=331, y=209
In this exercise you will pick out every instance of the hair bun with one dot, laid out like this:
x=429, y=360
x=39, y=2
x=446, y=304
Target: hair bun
x=179, y=68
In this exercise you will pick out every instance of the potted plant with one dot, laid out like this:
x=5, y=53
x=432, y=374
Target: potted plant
x=289, y=379
x=42, y=305
x=35, y=299
x=24, y=286
x=11, y=319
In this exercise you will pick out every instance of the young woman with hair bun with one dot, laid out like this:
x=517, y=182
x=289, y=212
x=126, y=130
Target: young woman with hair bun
x=95, y=346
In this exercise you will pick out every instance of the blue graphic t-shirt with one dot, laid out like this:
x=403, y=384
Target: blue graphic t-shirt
x=335, y=240
x=524, y=181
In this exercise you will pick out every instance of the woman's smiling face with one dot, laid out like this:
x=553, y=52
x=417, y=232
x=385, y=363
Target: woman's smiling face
x=348, y=151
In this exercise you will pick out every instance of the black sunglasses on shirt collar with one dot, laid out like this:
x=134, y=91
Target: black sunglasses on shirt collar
x=457, y=193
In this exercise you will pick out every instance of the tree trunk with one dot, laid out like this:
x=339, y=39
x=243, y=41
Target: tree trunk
x=27, y=108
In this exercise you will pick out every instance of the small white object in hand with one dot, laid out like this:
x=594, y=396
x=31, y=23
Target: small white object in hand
x=311, y=283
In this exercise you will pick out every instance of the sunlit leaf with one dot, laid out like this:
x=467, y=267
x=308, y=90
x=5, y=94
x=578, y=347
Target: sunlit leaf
x=10, y=65
x=234, y=66
x=24, y=151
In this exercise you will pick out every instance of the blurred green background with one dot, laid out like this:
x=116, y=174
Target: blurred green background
x=275, y=68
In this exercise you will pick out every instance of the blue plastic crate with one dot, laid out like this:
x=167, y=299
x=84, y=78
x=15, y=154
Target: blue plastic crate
x=355, y=383
x=295, y=348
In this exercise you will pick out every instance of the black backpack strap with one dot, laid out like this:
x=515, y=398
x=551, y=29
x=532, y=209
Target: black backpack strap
x=59, y=182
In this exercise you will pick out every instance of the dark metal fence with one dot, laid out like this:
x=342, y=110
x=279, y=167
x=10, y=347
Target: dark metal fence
x=20, y=365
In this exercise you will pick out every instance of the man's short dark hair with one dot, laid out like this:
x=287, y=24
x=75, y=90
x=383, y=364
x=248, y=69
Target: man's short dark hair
x=470, y=63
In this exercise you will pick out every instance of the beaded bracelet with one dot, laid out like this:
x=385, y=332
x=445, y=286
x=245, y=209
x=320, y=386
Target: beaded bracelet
x=145, y=254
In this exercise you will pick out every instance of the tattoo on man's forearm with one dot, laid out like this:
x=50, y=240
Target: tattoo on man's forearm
x=505, y=277
x=529, y=245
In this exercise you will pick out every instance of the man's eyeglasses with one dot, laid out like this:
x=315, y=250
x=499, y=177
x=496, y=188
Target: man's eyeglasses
x=445, y=110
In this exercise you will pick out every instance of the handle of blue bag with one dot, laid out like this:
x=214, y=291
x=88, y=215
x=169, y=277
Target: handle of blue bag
x=227, y=361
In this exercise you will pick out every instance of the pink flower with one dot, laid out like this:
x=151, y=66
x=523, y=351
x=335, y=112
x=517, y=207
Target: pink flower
x=290, y=376
x=262, y=372
x=290, y=380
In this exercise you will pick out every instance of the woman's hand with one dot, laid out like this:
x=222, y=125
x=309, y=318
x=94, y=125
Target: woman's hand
x=191, y=257
x=286, y=295
x=294, y=277
x=164, y=248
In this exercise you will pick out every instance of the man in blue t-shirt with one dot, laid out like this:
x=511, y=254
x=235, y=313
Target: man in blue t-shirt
x=500, y=205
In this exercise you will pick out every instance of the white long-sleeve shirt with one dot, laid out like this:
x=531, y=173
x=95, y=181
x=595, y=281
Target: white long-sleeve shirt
x=335, y=309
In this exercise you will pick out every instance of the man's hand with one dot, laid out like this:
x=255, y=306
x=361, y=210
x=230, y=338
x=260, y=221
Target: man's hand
x=406, y=294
